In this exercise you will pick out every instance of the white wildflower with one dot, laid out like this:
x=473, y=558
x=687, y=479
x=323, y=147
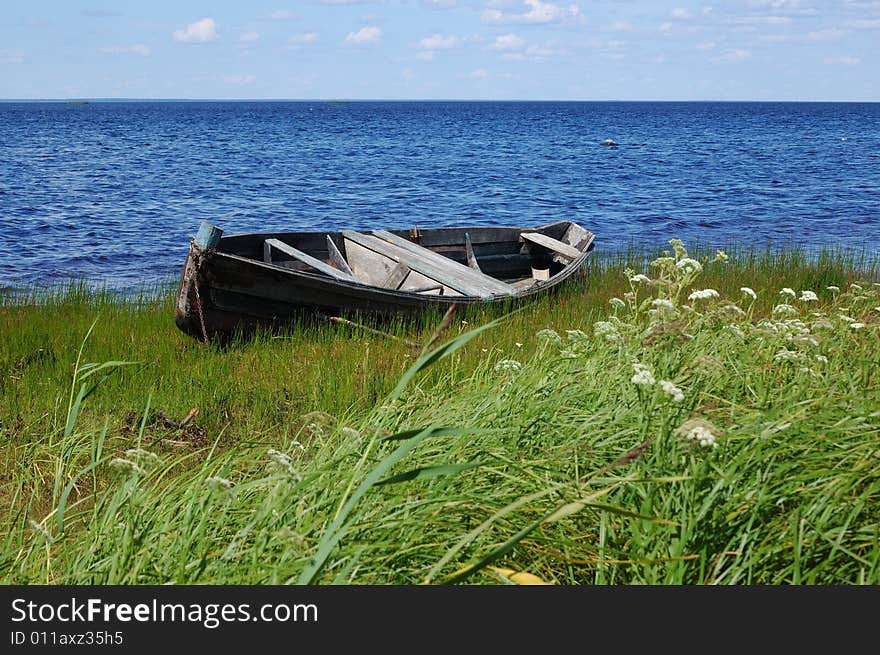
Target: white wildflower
x=282, y=460
x=806, y=340
x=216, y=482
x=786, y=355
x=617, y=303
x=663, y=262
x=143, y=457
x=855, y=287
x=125, y=465
x=579, y=335
x=788, y=291
x=606, y=330
x=699, y=431
x=735, y=329
x=857, y=326
x=640, y=278
x=793, y=326
x=833, y=288
x=663, y=303
x=688, y=265
x=749, y=292
x=784, y=308
x=703, y=294
x=844, y=317
x=508, y=365
x=877, y=309
x=807, y=296
x=548, y=336
x=822, y=358
x=678, y=246
x=671, y=390
x=517, y=344
x=721, y=256
x=643, y=376
x=350, y=433
x=807, y=370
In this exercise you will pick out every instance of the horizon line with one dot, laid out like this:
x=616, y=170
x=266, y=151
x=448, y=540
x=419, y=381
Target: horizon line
x=353, y=100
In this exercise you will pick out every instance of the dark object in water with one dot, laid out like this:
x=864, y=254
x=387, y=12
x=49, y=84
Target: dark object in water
x=267, y=279
x=610, y=142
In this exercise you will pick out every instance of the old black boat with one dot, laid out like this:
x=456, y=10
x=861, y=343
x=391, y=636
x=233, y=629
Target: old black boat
x=245, y=280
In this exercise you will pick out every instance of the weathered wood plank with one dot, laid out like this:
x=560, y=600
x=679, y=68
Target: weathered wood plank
x=442, y=275
x=525, y=283
x=469, y=249
x=460, y=270
x=208, y=235
x=578, y=237
x=317, y=264
x=368, y=265
x=552, y=244
x=398, y=274
x=336, y=257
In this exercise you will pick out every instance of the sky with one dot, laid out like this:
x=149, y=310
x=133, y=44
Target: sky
x=801, y=50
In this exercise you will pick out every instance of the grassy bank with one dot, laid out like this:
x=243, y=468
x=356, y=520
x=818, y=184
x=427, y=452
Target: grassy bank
x=618, y=432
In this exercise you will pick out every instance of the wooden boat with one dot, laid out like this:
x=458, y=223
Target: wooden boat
x=246, y=280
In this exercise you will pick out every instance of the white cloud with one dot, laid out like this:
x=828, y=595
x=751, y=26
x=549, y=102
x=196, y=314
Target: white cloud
x=438, y=4
x=507, y=42
x=620, y=26
x=759, y=20
x=249, y=37
x=426, y=55
x=305, y=37
x=538, y=13
x=665, y=27
x=831, y=34
x=439, y=42
x=199, y=32
x=680, y=13
x=737, y=55
x=136, y=49
x=844, y=61
x=864, y=24
x=706, y=45
x=364, y=36
x=537, y=53
x=478, y=74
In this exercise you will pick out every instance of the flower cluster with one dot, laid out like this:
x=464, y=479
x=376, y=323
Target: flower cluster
x=699, y=431
x=282, y=461
x=642, y=375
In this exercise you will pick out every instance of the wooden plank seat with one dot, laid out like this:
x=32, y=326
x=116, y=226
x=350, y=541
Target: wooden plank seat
x=443, y=270
x=307, y=259
x=559, y=247
x=474, y=276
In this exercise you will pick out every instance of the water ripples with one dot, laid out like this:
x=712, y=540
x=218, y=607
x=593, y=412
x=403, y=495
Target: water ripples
x=114, y=191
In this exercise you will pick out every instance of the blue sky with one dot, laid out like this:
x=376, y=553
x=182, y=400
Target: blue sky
x=443, y=49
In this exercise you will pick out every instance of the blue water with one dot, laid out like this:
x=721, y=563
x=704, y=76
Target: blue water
x=113, y=191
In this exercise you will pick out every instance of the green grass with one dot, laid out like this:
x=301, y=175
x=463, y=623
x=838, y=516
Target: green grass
x=330, y=454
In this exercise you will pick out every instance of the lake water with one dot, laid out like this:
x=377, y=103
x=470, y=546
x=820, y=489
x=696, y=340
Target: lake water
x=113, y=191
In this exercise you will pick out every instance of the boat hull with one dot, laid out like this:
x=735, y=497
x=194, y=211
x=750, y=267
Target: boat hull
x=220, y=293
